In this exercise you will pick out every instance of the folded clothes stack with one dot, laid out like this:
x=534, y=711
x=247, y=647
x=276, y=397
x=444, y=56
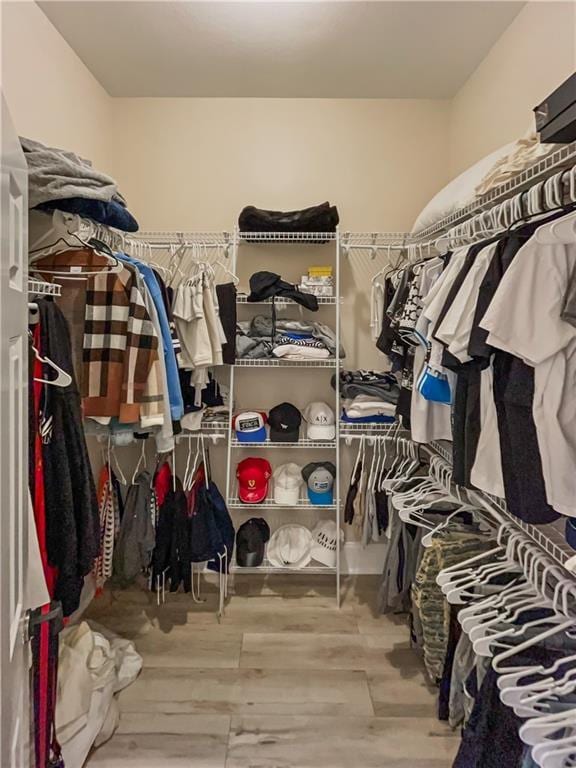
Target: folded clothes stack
x=368, y=397
x=63, y=181
x=364, y=408
x=290, y=340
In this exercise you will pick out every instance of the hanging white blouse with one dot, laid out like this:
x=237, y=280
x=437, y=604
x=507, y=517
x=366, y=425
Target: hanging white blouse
x=524, y=319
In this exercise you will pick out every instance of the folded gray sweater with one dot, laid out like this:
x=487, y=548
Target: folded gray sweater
x=56, y=174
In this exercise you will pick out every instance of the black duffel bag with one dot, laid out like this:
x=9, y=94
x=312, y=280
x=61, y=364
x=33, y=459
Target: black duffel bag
x=319, y=218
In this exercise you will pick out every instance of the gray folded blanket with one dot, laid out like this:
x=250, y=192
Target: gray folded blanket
x=55, y=174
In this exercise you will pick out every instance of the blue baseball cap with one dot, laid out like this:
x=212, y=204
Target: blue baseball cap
x=320, y=477
x=250, y=427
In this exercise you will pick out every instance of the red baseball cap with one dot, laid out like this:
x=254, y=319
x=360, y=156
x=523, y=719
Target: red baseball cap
x=253, y=475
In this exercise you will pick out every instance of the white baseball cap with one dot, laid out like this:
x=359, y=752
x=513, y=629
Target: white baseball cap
x=326, y=542
x=321, y=422
x=287, y=483
x=290, y=546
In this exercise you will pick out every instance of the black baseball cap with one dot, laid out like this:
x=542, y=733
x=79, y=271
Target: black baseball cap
x=284, y=421
x=251, y=539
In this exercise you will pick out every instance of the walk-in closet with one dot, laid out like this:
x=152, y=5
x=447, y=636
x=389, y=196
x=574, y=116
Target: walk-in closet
x=288, y=384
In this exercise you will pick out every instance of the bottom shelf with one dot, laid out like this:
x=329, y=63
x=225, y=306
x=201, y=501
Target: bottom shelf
x=267, y=568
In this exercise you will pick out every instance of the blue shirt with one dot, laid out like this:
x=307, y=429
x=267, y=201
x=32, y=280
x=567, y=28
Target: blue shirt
x=174, y=390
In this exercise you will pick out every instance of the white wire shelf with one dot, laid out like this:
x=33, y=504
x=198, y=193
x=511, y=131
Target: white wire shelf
x=369, y=429
x=303, y=443
x=267, y=568
x=214, y=426
x=551, y=538
x=443, y=448
x=215, y=429
x=42, y=288
x=372, y=241
x=166, y=239
x=242, y=298
x=328, y=362
x=312, y=238
x=303, y=505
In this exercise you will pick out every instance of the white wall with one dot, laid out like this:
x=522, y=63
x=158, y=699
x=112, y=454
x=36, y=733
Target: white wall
x=51, y=95
x=533, y=57
x=195, y=163
x=210, y=157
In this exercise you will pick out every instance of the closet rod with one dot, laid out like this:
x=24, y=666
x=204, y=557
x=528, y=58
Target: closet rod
x=559, y=160
x=180, y=244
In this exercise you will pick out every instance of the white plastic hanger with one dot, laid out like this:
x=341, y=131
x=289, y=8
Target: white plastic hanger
x=374, y=444
x=62, y=379
x=113, y=458
x=509, y=604
x=467, y=566
x=564, y=757
x=485, y=572
x=498, y=661
x=428, y=537
x=226, y=269
x=191, y=468
x=455, y=590
x=510, y=682
x=141, y=460
x=400, y=471
x=537, y=729
x=67, y=239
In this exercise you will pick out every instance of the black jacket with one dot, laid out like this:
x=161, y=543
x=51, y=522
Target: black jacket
x=72, y=519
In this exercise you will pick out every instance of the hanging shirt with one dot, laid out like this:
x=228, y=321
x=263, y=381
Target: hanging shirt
x=192, y=326
x=525, y=319
x=513, y=391
x=176, y=404
x=156, y=388
x=429, y=420
x=434, y=303
x=456, y=327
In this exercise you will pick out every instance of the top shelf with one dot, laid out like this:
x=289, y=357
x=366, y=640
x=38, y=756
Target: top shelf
x=309, y=238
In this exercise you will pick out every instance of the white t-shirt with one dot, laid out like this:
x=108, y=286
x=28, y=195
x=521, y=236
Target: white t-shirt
x=524, y=319
x=434, y=302
x=456, y=326
x=192, y=326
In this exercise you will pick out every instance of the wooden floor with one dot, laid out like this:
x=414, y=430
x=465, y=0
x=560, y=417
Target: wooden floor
x=283, y=682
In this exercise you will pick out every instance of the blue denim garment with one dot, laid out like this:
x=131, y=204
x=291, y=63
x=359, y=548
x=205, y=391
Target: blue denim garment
x=174, y=390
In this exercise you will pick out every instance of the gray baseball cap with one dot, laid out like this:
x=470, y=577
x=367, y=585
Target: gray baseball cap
x=320, y=477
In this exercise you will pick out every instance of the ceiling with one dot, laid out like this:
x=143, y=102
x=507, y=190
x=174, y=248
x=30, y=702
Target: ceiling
x=350, y=49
